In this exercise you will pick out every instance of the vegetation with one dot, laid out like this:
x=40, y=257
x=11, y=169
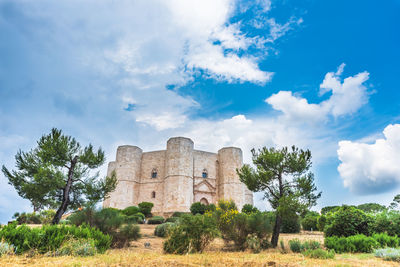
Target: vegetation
x=290, y=223
x=248, y=209
x=162, y=230
x=6, y=249
x=49, y=238
x=371, y=207
x=132, y=210
x=348, y=221
x=310, y=221
x=319, y=254
x=297, y=246
x=56, y=174
x=145, y=208
x=271, y=176
x=359, y=243
x=77, y=247
x=191, y=234
x=110, y=221
x=156, y=220
x=389, y=254
x=42, y=217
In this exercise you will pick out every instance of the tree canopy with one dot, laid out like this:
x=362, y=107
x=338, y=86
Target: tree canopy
x=57, y=174
x=284, y=177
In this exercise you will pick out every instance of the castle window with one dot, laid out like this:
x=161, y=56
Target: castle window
x=154, y=173
x=204, y=174
x=153, y=194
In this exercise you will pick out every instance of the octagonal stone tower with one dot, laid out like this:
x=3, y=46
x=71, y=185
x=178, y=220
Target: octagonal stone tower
x=174, y=178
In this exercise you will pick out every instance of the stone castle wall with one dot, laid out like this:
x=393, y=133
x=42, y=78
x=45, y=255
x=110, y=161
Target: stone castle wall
x=184, y=175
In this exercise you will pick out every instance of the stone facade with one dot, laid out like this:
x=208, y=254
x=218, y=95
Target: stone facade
x=174, y=178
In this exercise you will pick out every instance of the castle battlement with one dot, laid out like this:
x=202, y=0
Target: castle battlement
x=175, y=178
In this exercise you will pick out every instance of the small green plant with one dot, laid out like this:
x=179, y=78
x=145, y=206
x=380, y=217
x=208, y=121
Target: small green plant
x=145, y=208
x=162, y=229
x=319, y=253
x=77, y=247
x=126, y=234
x=172, y=219
x=156, y=220
x=198, y=208
x=355, y=243
x=253, y=242
x=191, y=234
x=282, y=244
x=389, y=254
x=131, y=210
x=6, y=249
x=295, y=246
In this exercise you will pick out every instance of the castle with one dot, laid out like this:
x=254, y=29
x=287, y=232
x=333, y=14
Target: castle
x=174, y=178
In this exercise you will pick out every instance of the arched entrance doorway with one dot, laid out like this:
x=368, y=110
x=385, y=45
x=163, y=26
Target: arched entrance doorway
x=204, y=201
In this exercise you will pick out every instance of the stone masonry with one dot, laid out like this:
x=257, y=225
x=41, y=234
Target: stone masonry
x=174, y=178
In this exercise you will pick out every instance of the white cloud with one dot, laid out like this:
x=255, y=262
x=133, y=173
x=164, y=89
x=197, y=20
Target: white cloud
x=371, y=168
x=347, y=98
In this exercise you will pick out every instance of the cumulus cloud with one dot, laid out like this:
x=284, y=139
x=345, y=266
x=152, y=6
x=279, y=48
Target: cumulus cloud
x=371, y=168
x=347, y=97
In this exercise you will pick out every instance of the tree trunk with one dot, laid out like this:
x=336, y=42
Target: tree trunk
x=65, y=199
x=277, y=229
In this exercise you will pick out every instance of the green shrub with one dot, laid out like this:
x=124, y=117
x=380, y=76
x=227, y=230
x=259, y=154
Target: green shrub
x=50, y=237
x=162, y=229
x=387, y=222
x=136, y=218
x=295, y=246
x=321, y=223
x=172, y=219
x=356, y=243
x=248, y=208
x=156, y=220
x=6, y=249
x=319, y=253
x=253, y=242
x=348, y=221
x=77, y=247
x=290, y=224
x=327, y=209
x=310, y=221
x=197, y=208
x=125, y=234
x=385, y=240
x=145, y=208
x=191, y=234
x=211, y=208
x=389, y=254
x=179, y=214
x=131, y=210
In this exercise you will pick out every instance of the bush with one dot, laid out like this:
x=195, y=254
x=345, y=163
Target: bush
x=51, y=237
x=136, y=218
x=290, y=224
x=321, y=223
x=319, y=254
x=162, y=229
x=359, y=243
x=211, y=208
x=239, y=227
x=310, y=221
x=191, y=234
x=295, y=246
x=248, y=208
x=6, y=249
x=131, y=210
x=253, y=242
x=197, y=208
x=156, y=220
x=389, y=254
x=179, y=214
x=172, y=219
x=125, y=234
x=77, y=247
x=145, y=208
x=385, y=240
x=348, y=221
x=387, y=222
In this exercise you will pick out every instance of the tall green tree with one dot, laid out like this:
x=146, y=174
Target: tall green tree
x=57, y=174
x=396, y=202
x=284, y=177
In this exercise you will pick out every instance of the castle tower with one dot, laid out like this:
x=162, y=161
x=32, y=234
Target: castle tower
x=229, y=185
x=127, y=168
x=178, y=182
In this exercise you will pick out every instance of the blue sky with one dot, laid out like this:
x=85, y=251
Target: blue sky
x=321, y=75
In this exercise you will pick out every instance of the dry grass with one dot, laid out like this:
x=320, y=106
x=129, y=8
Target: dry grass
x=138, y=255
